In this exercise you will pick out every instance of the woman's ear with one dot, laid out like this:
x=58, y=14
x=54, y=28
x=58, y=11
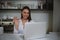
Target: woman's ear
x=21, y=12
x=21, y=15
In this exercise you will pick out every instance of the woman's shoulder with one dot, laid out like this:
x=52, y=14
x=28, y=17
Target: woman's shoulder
x=32, y=21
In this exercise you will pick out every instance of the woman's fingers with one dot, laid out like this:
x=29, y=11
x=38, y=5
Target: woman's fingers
x=14, y=19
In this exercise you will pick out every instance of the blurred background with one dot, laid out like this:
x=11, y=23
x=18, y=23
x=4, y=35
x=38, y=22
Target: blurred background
x=41, y=11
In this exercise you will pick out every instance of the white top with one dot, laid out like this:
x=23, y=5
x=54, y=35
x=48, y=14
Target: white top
x=20, y=28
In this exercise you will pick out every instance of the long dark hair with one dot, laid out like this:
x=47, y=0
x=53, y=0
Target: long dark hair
x=26, y=7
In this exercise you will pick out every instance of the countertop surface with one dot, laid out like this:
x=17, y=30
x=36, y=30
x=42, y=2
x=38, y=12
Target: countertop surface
x=11, y=37
x=51, y=36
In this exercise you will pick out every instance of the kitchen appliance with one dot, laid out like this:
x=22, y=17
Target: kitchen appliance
x=7, y=25
x=1, y=30
x=34, y=30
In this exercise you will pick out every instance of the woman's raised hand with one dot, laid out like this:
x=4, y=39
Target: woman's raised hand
x=16, y=22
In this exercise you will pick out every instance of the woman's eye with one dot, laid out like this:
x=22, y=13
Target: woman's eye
x=24, y=12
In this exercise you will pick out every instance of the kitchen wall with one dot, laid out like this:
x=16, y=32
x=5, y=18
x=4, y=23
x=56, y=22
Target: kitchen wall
x=42, y=16
x=37, y=15
x=56, y=16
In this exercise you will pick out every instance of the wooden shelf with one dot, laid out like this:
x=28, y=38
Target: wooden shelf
x=31, y=9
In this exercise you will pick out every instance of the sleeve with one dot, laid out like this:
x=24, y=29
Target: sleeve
x=15, y=31
x=32, y=21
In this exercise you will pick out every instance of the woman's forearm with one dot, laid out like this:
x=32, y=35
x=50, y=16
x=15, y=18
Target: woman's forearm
x=16, y=27
x=15, y=30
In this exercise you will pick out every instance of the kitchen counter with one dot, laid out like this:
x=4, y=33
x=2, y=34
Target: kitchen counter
x=11, y=37
x=51, y=36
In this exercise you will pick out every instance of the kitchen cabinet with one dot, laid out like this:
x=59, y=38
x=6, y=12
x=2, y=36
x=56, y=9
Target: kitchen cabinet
x=7, y=25
x=33, y=5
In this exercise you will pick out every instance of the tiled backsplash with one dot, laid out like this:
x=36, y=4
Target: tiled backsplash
x=42, y=16
x=37, y=15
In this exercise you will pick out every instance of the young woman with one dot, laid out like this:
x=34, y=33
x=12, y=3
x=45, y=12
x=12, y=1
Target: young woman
x=25, y=19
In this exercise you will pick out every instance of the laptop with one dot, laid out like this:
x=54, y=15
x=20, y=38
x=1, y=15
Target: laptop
x=34, y=30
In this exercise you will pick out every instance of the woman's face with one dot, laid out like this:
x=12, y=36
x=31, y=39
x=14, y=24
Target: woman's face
x=25, y=13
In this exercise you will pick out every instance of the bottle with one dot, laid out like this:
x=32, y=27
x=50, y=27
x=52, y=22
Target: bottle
x=41, y=6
